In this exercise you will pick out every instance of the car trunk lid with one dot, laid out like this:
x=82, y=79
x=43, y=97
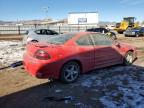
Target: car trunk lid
x=51, y=49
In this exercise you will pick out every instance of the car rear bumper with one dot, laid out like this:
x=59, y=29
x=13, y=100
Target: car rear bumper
x=130, y=35
x=41, y=68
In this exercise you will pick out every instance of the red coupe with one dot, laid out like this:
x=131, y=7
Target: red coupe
x=66, y=56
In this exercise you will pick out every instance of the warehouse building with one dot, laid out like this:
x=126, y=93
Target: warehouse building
x=83, y=18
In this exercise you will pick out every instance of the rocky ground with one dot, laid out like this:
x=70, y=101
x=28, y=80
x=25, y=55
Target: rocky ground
x=112, y=87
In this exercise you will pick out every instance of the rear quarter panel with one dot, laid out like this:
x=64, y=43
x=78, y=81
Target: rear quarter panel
x=126, y=47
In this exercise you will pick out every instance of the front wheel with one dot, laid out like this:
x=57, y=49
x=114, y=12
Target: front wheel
x=120, y=32
x=137, y=35
x=129, y=58
x=70, y=72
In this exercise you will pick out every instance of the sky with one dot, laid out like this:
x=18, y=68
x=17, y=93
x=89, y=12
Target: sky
x=109, y=10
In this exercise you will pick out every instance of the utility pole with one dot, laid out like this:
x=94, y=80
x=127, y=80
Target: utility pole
x=45, y=9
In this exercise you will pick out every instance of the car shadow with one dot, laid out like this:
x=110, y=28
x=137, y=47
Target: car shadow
x=97, y=89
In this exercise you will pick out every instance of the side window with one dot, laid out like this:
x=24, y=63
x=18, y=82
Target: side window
x=43, y=32
x=49, y=32
x=97, y=30
x=38, y=31
x=54, y=33
x=84, y=40
x=90, y=30
x=101, y=30
x=100, y=39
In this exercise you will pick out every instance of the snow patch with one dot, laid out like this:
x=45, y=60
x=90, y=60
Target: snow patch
x=10, y=52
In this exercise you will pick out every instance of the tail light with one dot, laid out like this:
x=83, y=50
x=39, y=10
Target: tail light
x=42, y=55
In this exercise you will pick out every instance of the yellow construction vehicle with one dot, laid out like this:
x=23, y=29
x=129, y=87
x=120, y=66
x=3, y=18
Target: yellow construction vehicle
x=128, y=22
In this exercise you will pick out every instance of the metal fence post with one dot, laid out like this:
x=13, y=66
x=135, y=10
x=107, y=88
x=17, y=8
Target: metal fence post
x=48, y=27
x=59, y=29
x=78, y=28
x=35, y=26
x=69, y=29
x=18, y=30
x=86, y=27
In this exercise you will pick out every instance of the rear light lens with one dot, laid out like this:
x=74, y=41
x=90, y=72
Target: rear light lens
x=42, y=55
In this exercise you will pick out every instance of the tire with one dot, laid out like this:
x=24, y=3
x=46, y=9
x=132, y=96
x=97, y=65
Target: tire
x=120, y=32
x=70, y=72
x=129, y=58
x=113, y=35
x=137, y=35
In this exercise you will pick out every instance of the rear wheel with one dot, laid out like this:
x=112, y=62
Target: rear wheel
x=129, y=58
x=70, y=72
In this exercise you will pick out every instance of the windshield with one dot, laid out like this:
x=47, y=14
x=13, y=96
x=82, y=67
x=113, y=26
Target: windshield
x=61, y=39
x=131, y=29
x=129, y=19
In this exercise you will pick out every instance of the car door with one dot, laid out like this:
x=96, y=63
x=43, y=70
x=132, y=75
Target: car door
x=86, y=52
x=97, y=30
x=106, y=53
x=103, y=30
x=141, y=32
x=37, y=35
x=41, y=34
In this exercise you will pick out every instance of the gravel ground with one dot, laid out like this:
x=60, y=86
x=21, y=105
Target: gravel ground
x=112, y=87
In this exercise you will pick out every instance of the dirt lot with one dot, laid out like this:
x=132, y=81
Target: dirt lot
x=11, y=37
x=112, y=87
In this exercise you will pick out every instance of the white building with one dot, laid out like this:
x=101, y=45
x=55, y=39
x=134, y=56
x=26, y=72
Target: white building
x=83, y=18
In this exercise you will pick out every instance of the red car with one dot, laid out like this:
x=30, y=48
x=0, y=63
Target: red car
x=66, y=56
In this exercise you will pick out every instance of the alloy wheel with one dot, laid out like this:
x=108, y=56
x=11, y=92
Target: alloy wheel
x=128, y=58
x=70, y=72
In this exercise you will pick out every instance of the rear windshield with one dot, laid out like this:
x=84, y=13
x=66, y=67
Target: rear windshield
x=61, y=39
